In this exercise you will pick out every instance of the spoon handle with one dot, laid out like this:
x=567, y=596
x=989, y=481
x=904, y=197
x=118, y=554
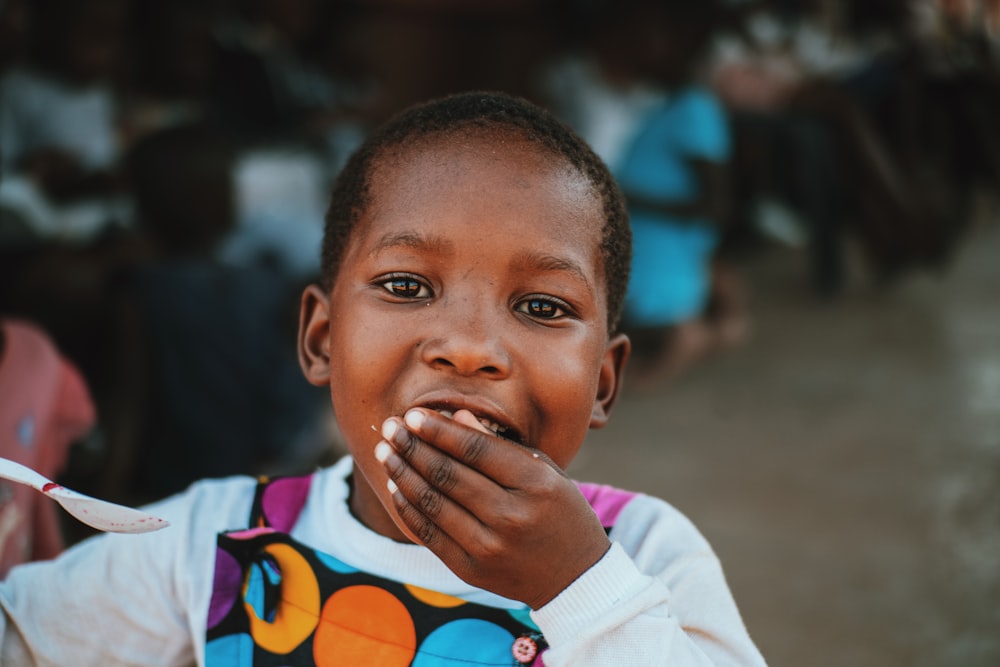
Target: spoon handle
x=18, y=473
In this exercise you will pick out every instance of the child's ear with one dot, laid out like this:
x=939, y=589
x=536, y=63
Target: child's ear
x=610, y=381
x=314, y=336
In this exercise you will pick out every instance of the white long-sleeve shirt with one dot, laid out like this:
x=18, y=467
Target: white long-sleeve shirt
x=658, y=597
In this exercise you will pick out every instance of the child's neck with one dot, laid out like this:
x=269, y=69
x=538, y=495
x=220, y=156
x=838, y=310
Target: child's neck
x=365, y=506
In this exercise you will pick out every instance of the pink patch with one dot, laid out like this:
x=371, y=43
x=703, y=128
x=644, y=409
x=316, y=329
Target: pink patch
x=607, y=501
x=283, y=501
x=250, y=533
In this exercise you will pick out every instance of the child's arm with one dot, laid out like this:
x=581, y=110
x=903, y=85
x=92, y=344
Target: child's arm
x=107, y=601
x=659, y=597
x=513, y=524
x=119, y=599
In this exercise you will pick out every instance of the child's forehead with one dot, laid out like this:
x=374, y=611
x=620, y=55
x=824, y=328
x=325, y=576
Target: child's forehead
x=482, y=188
x=484, y=153
x=463, y=171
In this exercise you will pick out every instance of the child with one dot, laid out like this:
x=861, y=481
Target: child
x=682, y=304
x=57, y=112
x=474, y=267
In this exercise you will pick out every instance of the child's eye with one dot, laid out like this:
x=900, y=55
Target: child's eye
x=542, y=308
x=406, y=287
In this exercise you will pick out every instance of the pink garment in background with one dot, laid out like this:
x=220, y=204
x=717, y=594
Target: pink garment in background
x=44, y=407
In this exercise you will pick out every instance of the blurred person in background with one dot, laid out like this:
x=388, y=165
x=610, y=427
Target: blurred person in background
x=280, y=87
x=636, y=97
x=62, y=206
x=803, y=142
x=206, y=384
x=173, y=68
x=281, y=74
x=58, y=108
x=817, y=92
x=942, y=108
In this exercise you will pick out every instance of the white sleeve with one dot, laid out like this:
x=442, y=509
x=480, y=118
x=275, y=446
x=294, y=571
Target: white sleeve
x=658, y=597
x=124, y=599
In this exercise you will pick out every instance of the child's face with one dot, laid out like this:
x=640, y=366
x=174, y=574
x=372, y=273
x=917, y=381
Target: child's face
x=475, y=281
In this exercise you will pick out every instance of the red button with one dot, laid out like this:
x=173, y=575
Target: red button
x=524, y=649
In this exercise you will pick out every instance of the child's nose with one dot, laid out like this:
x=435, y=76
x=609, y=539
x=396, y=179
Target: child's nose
x=472, y=343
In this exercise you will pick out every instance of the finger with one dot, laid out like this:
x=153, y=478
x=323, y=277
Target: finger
x=427, y=511
x=507, y=463
x=501, y=511
x=427, y=532
x=462, y=484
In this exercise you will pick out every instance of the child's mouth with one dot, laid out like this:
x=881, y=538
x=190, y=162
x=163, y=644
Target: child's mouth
x=490, y=425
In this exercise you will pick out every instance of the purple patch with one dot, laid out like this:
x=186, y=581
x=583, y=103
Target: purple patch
x=228, y=582
x=607, y=501
x=283, y=501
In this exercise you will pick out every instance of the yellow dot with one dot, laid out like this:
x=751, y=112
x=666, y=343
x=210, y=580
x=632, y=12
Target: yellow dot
x=433, y=598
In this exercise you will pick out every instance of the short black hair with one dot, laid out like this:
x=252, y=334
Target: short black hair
x=489, y=112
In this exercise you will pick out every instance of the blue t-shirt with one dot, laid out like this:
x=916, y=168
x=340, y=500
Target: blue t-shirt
x=671, y=256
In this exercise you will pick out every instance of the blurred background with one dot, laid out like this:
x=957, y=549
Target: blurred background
x=819, y=390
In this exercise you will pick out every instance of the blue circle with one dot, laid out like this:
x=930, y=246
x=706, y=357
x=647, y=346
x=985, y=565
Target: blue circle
x=468, y=639
x=230, y=651
x=335, y=564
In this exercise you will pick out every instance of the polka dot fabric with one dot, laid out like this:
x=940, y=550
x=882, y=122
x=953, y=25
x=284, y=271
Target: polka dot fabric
x=279, y=603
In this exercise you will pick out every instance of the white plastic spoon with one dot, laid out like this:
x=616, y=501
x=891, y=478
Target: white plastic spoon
x=99, y=514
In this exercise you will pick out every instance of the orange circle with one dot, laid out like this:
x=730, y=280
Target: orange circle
x=433, y=598
x=364, y=625
x=297, y=613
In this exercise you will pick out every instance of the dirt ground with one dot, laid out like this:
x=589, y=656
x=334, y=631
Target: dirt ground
x=844, y=462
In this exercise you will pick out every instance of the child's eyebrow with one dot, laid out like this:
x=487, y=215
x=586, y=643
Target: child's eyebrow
x=524, y=261
x=538, y=261
x=415, y=240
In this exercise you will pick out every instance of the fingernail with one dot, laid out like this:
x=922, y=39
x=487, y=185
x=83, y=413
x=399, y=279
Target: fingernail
x=389, y=427
x=414, y=419
x=391, y=485
x=382, y=451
